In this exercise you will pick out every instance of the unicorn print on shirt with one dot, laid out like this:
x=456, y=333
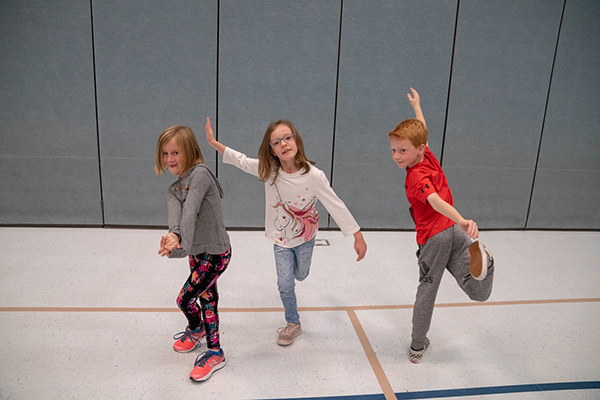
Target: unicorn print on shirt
x=293, y=222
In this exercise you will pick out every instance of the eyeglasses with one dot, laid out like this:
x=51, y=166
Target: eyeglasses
x=287, y=138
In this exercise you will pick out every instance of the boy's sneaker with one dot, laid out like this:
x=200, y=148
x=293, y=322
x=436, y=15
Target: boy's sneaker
x=206, y=364
x=288, y=333
x=481, y=260
x=415, y=356
x=188, y=340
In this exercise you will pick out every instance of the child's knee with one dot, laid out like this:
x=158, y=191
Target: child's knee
x=181, y=304
x=179, y=300
x=301, y=273
x=479, y=296
x=301, y=277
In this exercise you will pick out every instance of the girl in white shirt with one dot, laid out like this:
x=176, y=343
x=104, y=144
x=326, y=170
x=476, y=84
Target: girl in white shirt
x=292, y=187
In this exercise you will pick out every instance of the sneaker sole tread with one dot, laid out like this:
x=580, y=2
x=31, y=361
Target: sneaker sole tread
x=476, y=266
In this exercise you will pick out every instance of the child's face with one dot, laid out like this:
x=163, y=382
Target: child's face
x=405, y=154
x=173, y=158
x=283, y=143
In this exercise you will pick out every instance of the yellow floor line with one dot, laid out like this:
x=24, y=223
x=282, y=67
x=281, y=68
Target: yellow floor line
x=387, y=389
x=280, y=309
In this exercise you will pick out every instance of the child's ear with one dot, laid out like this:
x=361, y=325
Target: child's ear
x=422, y=148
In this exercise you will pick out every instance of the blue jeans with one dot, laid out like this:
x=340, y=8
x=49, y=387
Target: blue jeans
x=292, y=263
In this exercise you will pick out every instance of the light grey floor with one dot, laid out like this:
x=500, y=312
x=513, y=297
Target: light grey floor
x=90, y=313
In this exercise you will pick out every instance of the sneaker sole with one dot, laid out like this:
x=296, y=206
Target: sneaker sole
x=287, y=343
x=212, y=371
x=478, y=265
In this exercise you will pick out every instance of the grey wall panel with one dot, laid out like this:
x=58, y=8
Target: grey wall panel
x=156, y=67
x=476, y=190
x=566, y=199
x=142, y=185
x=278, y=59
x=567, y=185
x=502, y=65
x=385, y=50
x=50, y=191
x=48, y=144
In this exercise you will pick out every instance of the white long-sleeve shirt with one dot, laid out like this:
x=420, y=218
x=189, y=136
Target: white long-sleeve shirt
x=291, y=217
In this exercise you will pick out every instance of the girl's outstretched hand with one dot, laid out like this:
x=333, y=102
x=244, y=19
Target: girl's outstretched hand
x=210, y=138
x=360, y=246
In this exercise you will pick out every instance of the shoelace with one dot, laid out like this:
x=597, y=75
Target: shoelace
x=286, y=329
x=185, y=334
x=203, y=358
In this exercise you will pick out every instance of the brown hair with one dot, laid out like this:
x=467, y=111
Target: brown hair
x=188, y=146
x=412, y=130
x=269, y=164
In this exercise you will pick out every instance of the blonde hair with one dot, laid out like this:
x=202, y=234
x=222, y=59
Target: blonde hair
x=188, y=145
x=269, y=164
x=412, y=130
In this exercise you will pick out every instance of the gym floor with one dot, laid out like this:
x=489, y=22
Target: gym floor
x=90, y=313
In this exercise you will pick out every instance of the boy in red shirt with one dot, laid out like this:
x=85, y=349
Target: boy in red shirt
x=443, y=235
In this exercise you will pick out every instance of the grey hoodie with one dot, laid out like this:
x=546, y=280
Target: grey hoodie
x=195, y=213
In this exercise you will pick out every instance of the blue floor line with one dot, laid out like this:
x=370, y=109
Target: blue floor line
x=479, y=391
x=541, y=387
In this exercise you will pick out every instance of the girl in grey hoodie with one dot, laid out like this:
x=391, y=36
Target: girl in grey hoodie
x=196, y=230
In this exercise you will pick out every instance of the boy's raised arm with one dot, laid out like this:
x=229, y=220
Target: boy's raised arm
x=415, y=102
x=210, y=138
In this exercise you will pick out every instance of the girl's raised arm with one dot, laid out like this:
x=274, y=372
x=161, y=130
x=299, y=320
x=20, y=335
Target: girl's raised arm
x=210, y=137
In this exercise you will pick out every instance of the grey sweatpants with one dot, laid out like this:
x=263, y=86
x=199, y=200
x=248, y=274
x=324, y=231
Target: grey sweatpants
x=449, y=250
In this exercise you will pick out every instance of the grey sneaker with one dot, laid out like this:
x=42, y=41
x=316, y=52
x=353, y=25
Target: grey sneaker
x=415, y=356
x=288, y=333
x=481, y=260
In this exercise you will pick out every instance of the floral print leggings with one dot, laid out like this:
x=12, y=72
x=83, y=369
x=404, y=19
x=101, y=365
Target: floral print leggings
x=202, y=285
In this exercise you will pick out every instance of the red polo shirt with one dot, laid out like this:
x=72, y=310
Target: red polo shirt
x=422, y=180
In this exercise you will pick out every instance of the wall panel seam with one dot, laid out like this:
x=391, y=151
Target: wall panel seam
x=96, y=112
x=539, y=150
x=335, y=107
x=217, y=87
x=449, y=83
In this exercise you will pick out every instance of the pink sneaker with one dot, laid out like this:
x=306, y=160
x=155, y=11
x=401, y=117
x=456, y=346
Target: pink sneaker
x=206, y=364
x=188, y=340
